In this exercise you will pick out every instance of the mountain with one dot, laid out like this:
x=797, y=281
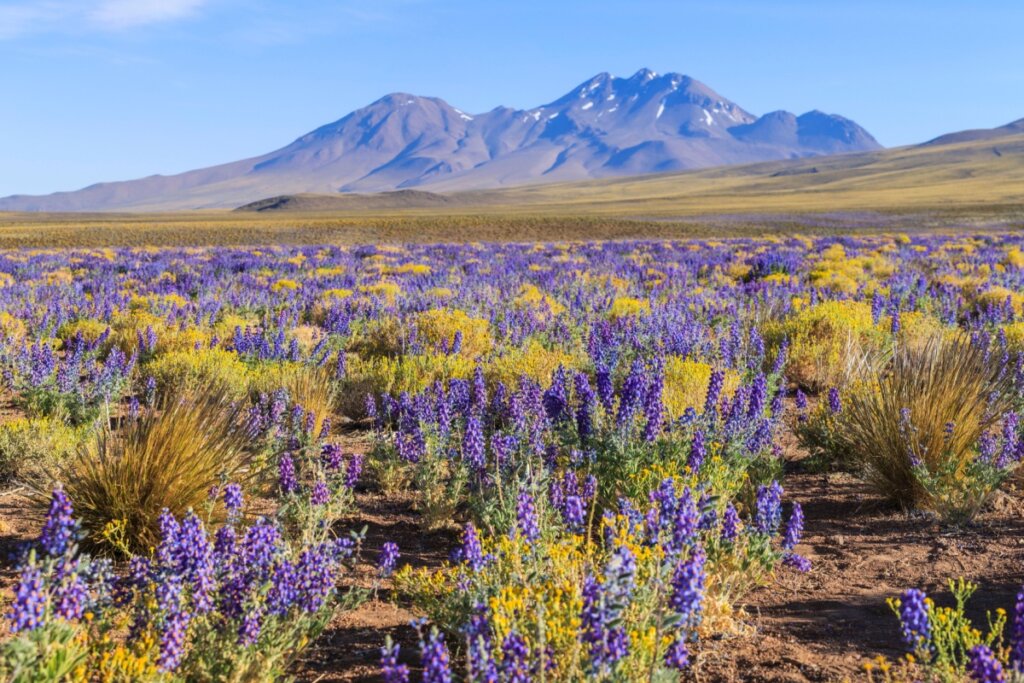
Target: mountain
x=606, y=126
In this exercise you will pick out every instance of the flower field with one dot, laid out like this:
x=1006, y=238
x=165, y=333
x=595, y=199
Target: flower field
x=749, y=459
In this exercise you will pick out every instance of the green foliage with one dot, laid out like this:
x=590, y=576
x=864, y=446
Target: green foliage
x=50, y=654
x=943, y=657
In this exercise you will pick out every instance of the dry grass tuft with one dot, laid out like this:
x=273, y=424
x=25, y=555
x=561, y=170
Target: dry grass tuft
x=168, y=458
x=926, y=403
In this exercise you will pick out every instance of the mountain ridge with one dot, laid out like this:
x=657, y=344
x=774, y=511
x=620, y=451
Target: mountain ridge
x=604, y=127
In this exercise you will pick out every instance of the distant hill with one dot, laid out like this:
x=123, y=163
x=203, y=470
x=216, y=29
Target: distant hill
x=1013, y=128
x=605, y=127
x=399, y=199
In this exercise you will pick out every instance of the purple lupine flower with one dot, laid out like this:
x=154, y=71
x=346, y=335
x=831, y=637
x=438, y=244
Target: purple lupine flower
x=877, y=307
x=555, y=398
x=371, y=410
x=315, y=576
x=172, y=640
x=321, y=494
x=768, y=515
x=758, y=396
x=479, y=390
x=353, y=470
x=631, y=397
x=249, y=628
x=60, y=529
x=286, y=474
x=526, y=516
x=677, y=656
x=585, y=409
x=473, y=444
x=472, y=553
x=341, y=366
x=284, y=589
x=715, y=384
x=835, y=404
x=29, y=606
x=515, y=667
x=684, y=523
x=797, y=562
x=478, y=635
x=195, y=562
x=233, y=500
x=800, y=398
x=698, y=451
x=654, y=410
x=983, y=665
x=688, y=587
x=331, y=457
x=914, y=619
x=574, y=512
x=795, y=528
x=391, y=670
x=388, y=558
x=435, y=659
x=730, y=524
x=605, y=389
x=1017, y=634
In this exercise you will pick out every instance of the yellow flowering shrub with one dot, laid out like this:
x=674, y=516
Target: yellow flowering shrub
x=384, y=290
x=531, y=297
x=413, y=373
x=179, y=371
x=627, y=307
x=284, y=284
x=532, y=360
x=11, y=327
x=686, y=385
x=31, y=446
x=820, y=337
x=997, y=296
x=439, y=325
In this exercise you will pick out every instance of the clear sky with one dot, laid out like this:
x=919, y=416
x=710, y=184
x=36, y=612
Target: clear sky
x=94, y=90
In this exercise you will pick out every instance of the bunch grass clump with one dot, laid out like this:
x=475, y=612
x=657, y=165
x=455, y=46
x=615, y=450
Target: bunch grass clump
x=915, y=428
x=167, y=458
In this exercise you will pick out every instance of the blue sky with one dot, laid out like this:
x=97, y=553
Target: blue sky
x=97, y=90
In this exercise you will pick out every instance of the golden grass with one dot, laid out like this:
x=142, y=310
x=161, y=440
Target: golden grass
x=910, y=403
x=168, y=458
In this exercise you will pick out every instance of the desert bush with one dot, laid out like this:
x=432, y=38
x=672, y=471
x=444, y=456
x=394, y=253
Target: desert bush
x=379, y=337
x=179, y=372
x=917, y=428
x=31, y=447
x=532, y=360
x=412, y=374
x=453, y=330
x=822, y=338
x=168, y=458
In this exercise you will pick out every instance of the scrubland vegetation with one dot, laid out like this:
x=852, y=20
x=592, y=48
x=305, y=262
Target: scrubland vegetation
x=601, y=428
